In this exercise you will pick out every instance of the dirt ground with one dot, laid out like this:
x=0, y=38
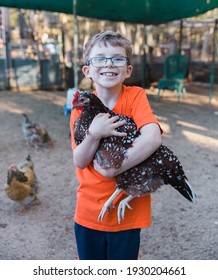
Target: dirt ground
x=180, y=230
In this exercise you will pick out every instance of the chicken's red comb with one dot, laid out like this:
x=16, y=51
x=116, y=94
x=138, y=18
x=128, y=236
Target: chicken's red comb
x=75, y=97
x=13, y=167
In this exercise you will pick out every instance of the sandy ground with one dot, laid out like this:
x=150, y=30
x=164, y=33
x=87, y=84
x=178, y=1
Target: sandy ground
x=180, y=230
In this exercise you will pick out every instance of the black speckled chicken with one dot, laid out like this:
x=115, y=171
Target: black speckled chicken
x=162, y=167
x=36, y=134
x=22, y=182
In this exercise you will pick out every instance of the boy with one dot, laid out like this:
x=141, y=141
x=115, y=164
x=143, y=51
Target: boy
x=107, y=58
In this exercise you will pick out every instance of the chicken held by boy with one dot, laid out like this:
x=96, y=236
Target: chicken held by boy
x=161, y=168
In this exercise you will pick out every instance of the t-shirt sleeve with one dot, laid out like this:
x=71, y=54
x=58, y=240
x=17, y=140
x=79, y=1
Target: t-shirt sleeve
x=141, y=111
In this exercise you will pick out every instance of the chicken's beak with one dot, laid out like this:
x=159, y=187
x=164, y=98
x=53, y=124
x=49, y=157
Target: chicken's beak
x=74, y=106
x=81, y=104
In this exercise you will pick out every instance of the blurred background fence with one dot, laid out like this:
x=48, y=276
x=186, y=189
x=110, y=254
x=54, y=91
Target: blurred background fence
x=36, y=48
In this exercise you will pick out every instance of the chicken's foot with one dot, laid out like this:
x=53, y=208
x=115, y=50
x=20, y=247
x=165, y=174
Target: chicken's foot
x=35, y=201
x=122, y=207
x=22, y=207
x=108, y=204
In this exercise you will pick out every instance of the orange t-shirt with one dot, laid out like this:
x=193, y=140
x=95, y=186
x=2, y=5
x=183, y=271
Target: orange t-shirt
x=95, y=189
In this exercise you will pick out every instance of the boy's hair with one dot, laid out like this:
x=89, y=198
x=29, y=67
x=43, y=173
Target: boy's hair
x=108, y=38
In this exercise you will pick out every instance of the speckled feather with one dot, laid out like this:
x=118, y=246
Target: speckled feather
x=162, y=167
x=112, y=150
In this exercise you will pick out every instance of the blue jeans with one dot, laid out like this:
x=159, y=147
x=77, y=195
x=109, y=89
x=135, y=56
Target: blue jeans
x=102, y=245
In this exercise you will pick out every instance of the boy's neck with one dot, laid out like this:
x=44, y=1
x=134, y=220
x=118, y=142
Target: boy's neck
x=109, y=96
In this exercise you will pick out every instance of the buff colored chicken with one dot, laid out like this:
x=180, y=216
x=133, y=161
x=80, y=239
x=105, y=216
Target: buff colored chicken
x=22, y=182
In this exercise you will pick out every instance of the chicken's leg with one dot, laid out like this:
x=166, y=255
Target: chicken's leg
x=108, y=204
x=122, y=207
x=22, y=207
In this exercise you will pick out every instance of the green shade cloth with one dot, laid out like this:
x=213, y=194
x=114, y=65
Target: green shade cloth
x=138, y=11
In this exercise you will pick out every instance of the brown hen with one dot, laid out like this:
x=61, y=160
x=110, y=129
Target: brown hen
x=22, y=182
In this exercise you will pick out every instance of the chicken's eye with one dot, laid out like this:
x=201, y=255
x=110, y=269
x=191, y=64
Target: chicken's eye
x=82, y=99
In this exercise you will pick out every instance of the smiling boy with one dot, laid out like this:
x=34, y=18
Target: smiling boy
x=107, y=58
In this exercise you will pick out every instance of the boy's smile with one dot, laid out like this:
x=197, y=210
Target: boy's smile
x=108, y=74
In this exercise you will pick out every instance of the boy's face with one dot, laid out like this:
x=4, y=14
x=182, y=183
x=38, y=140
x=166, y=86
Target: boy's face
x=107, y=76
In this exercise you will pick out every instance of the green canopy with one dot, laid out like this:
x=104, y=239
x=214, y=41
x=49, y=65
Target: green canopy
x=137, y=11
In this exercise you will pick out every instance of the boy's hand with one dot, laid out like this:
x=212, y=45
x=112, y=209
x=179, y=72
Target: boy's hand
x=103, y=126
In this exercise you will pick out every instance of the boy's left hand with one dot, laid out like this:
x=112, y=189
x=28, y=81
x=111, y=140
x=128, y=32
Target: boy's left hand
x=109, y=172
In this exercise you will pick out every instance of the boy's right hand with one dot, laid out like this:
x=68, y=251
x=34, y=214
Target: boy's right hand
x=103, y=125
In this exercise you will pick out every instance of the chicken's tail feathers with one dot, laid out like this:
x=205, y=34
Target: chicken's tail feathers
x=28, y=157
x=26, y=118
x=36, y=188
x=188, y=191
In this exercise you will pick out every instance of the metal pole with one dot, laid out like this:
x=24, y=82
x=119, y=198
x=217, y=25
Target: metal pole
x=7, y=45
x=144, y=68
x=75, y=51
x=143, y=59
x=180, y=36
x=63, y=52
x=212, y=68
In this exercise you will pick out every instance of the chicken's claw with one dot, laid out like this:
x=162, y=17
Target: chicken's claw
x=107, y=206
x=36, y=201
x=122, y=207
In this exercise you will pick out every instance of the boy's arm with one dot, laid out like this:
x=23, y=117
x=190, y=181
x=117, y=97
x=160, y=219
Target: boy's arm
x=147, y=143
x=102, y=126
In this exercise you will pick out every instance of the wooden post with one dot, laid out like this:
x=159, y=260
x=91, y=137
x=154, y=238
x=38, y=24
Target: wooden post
x=212, y=68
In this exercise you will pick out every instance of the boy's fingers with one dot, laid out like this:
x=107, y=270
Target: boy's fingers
x=114, y=118
x=121, y=134
x=117, y=124
x=101, y=114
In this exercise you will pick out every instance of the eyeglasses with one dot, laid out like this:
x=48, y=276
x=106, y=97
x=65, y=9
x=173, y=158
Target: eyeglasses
x=99, y=61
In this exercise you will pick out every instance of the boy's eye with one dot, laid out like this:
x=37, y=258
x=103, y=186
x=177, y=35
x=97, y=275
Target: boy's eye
x=119, y=59
x=98, y=59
